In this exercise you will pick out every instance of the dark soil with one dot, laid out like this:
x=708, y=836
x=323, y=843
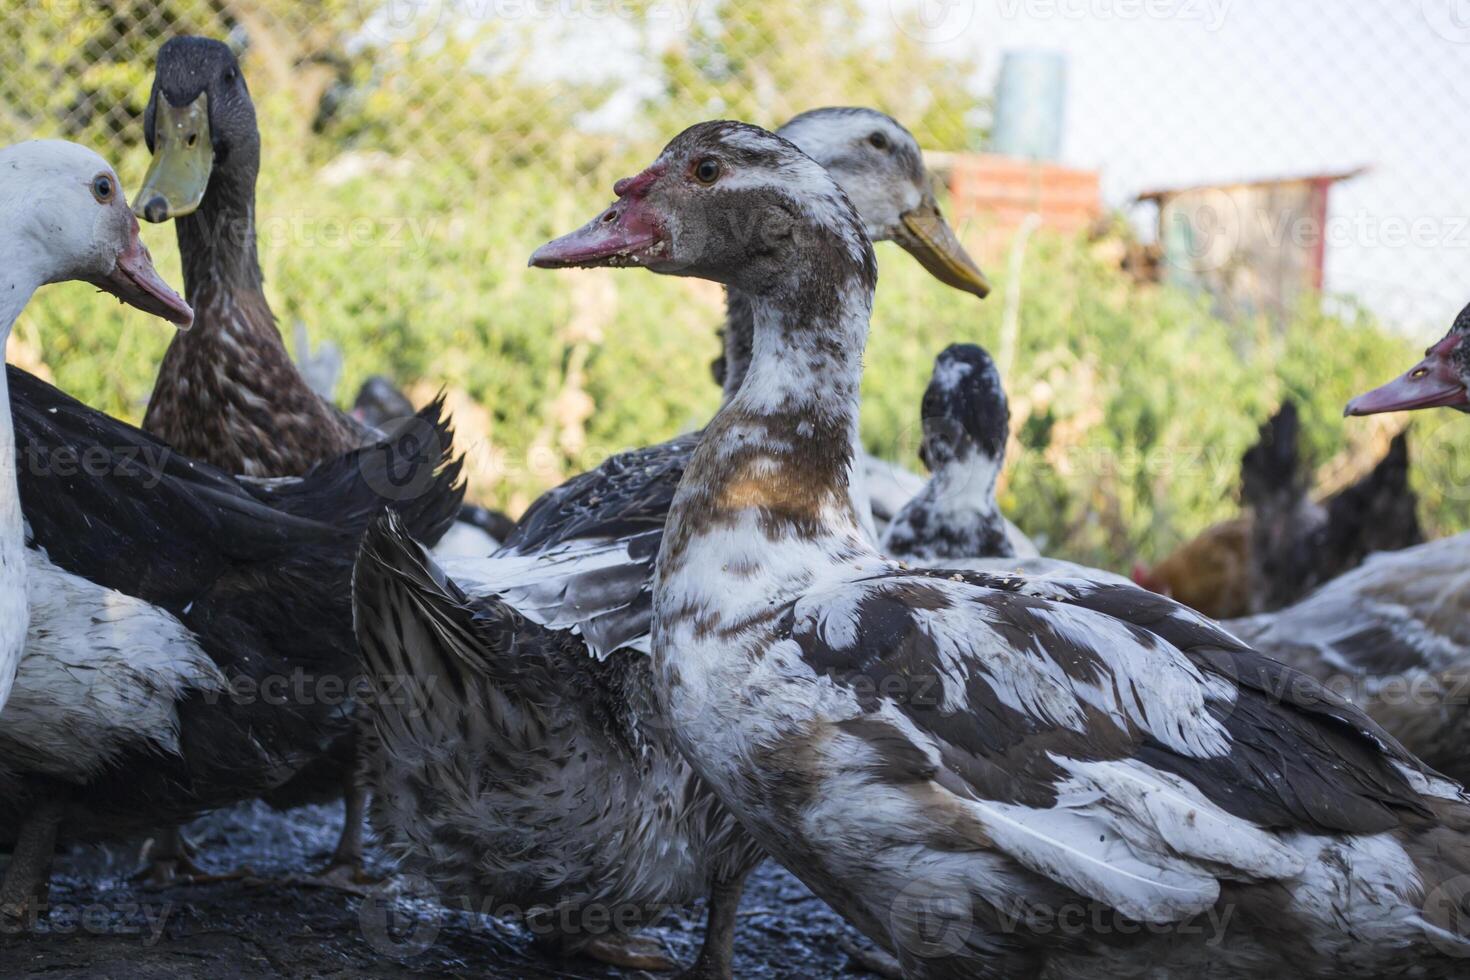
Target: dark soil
x=101, y=924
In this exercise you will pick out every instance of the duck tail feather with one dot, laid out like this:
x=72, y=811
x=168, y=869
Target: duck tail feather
x=431, y=652
x=414, y=473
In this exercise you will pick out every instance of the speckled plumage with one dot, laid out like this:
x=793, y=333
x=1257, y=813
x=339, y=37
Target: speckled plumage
x=578, y=569
x=996, y=776
x=965, y=416
x=228, y=392
x=519, y=774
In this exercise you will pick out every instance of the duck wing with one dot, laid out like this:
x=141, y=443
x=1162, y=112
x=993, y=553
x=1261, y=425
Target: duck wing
x=1104, y=737
x=581, y=558
x=493, y=732
x=167, y=529
x=1399, y=612
x=258, y=576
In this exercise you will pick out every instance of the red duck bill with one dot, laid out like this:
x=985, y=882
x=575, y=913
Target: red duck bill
x=621, y=236
x=1434, y=382
x=134, y=281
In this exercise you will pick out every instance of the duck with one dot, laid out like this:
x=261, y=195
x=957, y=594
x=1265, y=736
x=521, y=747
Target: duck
x=546, y=715
x=988, y=775
x=1391, y=635
x=580, y=557
x=65, y=219
x=966, y=422
x=1298, y=543
x=141, y=587
x=190, y=643
x=1286, y=544
x=229, y=393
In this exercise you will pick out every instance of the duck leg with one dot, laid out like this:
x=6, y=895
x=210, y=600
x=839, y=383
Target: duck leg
x=716, y=959
x=170, y=861
x=617, y=949
x=873, y=960
x=344, y=871
x=25, y=892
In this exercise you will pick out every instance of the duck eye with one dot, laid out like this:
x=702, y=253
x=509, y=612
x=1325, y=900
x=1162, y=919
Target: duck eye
x=707, y=171
x=1418, y=373
x=102, y=188
x=229, y=74
x=879, y=140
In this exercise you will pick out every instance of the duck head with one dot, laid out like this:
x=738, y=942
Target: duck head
x=1441, y=380
x=965, y=411
x=200, y=127
x=879, y=165
x=65, y=206
x=731, y=203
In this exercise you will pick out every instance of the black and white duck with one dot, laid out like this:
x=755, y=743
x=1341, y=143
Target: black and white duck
x=1394, y=634
x=581, y=555
x=991, y=776
x=153, y=601
x=546, y=721
x=190, y=641
x=966, y=422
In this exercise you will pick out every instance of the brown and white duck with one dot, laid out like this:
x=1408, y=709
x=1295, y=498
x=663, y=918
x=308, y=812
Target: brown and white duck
x=229, y=394
x=546, y=720
x=990, y=776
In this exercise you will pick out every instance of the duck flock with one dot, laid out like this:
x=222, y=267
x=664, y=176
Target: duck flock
x=702, y=654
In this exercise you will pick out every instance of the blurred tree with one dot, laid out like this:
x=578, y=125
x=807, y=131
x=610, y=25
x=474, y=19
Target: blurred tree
x=739, y=62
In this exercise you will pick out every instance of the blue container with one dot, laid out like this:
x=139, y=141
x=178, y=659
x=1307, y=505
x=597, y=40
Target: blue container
x=1030, y=105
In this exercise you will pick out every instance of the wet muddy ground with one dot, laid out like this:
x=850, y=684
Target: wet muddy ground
x=101, y=924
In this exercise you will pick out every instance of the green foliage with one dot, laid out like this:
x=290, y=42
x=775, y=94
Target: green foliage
x=1132, y=405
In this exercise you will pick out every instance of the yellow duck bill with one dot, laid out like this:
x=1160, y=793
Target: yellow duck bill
x=183, y=157
x=928, y=237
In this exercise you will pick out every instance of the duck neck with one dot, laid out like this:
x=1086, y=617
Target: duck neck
x=222, y=277
x=776, y=465
x=955, y=516
x=738, y=336
x=19, y=279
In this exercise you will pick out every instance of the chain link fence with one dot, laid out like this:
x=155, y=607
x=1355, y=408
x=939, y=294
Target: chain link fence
x=1160, y=93
x=414, y=151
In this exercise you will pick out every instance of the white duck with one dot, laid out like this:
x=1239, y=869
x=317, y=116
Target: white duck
x=142, y=587
x=990, y=776
x=62, y=216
